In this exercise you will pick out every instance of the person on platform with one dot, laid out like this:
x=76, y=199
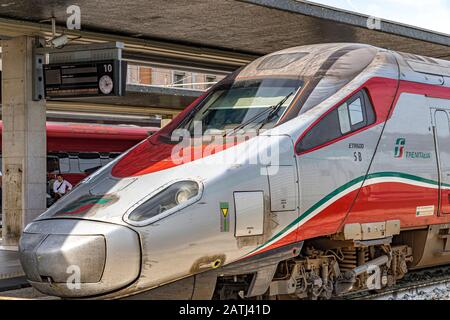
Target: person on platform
x=61, y=187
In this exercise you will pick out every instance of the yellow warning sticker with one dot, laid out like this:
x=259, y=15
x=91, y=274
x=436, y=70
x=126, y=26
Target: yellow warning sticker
x=224, y=211
x=224, y=220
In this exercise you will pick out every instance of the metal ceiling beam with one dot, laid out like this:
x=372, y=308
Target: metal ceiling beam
x=141, y=49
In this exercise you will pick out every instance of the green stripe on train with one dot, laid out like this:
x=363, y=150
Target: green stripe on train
x=343, y=188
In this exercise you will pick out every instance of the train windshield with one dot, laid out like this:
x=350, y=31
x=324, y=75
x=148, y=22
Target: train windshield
x=243, y=104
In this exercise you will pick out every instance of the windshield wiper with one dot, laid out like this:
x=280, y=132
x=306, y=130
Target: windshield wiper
x=273, y=110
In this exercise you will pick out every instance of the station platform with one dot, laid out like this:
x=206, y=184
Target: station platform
x=13, y=283
x=9, y=263
x=11, y=273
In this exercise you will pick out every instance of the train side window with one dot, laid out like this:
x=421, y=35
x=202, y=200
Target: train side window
x=354, y=114
x=325, y=130
x=114, y=155
x=73, y=161
x=104, y=158
x=64, y=162
x=344, y=120
x=52, y=164
x=355, y=111
x=88, y=161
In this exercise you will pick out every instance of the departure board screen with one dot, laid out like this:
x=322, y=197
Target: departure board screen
x=105, y=78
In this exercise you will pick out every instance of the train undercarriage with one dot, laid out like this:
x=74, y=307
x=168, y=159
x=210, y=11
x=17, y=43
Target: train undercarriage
x=332, y=266
x=326, y=268
x=320, y=268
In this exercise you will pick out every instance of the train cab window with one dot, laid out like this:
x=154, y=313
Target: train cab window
x=254, y=104
x=354, y=114
x=89, y=161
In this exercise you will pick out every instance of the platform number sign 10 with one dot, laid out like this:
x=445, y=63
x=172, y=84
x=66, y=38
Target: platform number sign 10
x=105, y=80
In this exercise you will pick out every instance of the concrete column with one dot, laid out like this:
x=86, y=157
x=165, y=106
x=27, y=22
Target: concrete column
x=24, y=147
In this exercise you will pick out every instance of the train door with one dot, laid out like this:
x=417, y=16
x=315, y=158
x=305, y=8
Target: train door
x=442, y=143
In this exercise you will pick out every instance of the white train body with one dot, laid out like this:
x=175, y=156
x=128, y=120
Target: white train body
x=346, y=159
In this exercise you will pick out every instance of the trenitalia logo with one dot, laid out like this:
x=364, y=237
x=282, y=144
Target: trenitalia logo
x=399, y=147
x=400, y=152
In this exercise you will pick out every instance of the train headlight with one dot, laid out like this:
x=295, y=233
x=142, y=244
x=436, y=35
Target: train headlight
x=183, y=195
x=170, y=199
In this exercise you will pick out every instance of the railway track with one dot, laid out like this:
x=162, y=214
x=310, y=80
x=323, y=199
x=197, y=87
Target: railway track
x=427, y=284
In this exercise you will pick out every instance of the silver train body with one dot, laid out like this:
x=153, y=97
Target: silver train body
x=303, y=208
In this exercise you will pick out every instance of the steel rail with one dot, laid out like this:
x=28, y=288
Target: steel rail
x=426, y=282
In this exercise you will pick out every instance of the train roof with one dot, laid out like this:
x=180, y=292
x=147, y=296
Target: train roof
x=80, y=130
x=424, y=69
x=305, y=61
x=327, y=68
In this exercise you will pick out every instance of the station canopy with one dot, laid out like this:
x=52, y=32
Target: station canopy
x=219, y=34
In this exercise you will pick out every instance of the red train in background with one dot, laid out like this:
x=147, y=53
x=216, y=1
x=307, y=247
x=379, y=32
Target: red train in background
x=76, y=150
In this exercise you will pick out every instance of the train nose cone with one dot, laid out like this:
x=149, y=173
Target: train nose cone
x=79, y=258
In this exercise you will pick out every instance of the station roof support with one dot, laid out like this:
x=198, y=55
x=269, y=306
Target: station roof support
x=224, y=35
x=24, y=147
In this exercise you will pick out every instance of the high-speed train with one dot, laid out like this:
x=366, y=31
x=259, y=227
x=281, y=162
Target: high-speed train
x=340, y=184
